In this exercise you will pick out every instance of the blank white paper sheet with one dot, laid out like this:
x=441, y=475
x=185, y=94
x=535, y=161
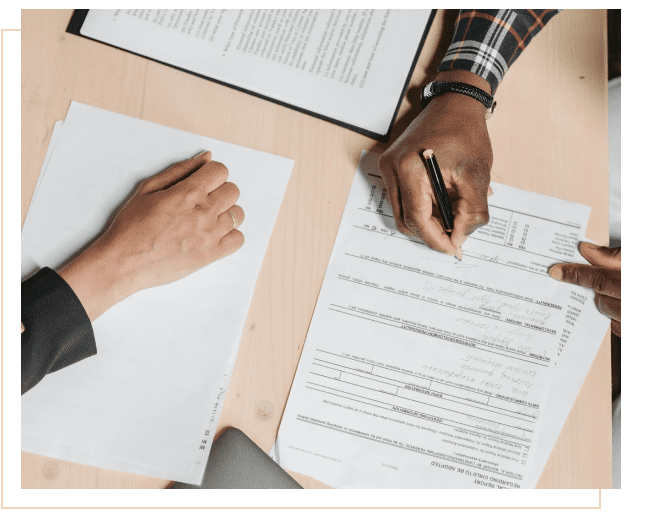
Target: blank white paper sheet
x=149, y=401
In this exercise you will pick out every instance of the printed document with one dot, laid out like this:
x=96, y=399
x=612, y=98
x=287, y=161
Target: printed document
x=421, y=371
x=344, y=64
x=149, y=401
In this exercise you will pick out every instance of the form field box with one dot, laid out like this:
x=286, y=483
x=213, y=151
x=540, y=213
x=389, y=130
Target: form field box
x=404, y=378
x=327, y=372
x=344, y=362
x=354, y=379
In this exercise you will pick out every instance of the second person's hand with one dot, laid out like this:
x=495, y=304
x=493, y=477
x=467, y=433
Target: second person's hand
x=454, y=127
x=603, y=276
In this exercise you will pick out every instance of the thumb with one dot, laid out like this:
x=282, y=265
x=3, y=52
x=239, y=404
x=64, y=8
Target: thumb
x=601, y=256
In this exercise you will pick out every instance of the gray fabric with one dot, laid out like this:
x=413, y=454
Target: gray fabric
x=237, y=462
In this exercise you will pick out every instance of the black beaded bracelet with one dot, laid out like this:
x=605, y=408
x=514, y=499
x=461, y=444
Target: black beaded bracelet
x=436, y=88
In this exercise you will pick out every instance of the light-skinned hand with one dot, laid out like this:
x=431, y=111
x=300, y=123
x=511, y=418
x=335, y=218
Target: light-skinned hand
x=174, y=224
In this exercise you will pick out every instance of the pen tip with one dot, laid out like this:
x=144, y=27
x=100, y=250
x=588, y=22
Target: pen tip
x=428, y=154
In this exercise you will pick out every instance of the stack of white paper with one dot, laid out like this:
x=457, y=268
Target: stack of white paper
x=149, y=401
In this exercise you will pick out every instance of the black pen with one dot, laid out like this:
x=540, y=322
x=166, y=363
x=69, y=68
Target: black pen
x=439, y=188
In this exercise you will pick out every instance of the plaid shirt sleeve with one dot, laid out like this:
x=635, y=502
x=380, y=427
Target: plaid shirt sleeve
x=488, y=42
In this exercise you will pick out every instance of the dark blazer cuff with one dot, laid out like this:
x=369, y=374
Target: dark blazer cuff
x=57, y=332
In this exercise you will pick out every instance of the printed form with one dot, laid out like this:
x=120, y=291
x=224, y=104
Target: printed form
x=422, y=371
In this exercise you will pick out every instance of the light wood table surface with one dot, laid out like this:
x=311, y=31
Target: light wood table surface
x=549, y=135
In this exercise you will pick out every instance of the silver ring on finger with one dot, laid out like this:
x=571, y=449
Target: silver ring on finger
x=232, y=217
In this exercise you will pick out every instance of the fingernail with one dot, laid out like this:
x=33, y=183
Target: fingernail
x=199, y=154
x=555, y=272
x=459, y=254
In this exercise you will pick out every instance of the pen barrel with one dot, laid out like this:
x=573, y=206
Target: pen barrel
x=439, y=188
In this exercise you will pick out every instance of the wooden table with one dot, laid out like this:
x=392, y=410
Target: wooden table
x=549, y=135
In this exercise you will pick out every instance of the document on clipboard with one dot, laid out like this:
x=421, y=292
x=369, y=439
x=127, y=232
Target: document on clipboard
x=347, y=66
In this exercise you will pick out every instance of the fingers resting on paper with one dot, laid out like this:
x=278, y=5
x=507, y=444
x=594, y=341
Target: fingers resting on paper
x=603, y=277
x=174, y=173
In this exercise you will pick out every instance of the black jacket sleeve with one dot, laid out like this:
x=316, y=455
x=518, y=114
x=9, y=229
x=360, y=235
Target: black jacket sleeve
x=57, y=332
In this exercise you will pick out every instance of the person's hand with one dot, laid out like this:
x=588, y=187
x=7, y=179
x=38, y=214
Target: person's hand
x=175, y=223
x=603, y=277
x=454, y=127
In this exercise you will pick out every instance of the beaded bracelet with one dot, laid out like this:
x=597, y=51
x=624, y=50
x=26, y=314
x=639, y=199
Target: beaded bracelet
x=437, y=88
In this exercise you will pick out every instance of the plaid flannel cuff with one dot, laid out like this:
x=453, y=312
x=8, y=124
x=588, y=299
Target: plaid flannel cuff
x=488, y=42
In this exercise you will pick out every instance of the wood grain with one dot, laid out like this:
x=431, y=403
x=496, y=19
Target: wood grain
x=549, y=135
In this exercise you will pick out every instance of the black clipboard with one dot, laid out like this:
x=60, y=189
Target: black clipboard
x=79, y=15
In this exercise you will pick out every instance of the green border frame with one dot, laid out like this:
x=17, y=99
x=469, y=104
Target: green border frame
x=634, y=145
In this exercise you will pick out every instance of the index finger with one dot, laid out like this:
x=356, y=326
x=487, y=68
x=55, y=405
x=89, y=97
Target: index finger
x=208, y=178
x=603, y=281
x=174, y=174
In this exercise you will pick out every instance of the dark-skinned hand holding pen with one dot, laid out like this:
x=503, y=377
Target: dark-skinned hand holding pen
x=454, y=127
